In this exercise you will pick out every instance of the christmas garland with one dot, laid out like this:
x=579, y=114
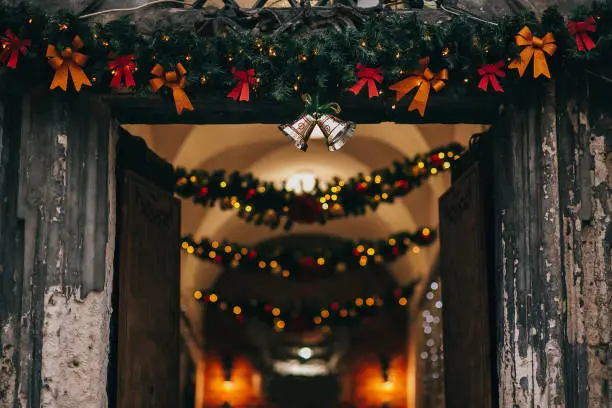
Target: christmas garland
x=390, y=50
x=302, y=317
x=263, y=203
x=283, y=262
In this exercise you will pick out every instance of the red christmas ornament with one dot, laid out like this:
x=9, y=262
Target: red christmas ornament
x=253, y=254
x=580, y=30
x=239, y=318
x=11, y=48
x=268, y=308
x=335, y=306
x=369, y=76
x=304, y=209
x=218, y=259
x=307, y=262
x=397, y=293
x=436, y=159
x=122, y=68
x=489, y=74
x=251, y=193
x=203, y=192
x=395, y=251
x=361, y=187
x=245, y=80
x=402, y=184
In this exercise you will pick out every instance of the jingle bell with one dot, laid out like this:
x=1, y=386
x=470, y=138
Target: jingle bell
x=336, y=131
x=299, y=131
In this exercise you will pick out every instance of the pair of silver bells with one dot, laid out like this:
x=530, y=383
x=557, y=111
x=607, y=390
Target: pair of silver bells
x=336, y=131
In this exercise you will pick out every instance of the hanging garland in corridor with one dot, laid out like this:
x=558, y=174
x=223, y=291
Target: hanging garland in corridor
x=283, y=262
x=261, y=202
x=390, y=50
x=301, y=317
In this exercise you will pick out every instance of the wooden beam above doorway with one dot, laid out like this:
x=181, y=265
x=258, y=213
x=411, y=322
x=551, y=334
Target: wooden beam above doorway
x=155, y=110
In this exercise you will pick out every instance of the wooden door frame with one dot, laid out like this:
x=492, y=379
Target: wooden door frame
x=155, y=110
x=133, y=160
x=467, y=278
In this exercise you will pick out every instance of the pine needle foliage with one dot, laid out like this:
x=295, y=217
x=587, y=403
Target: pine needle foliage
x=320, y=62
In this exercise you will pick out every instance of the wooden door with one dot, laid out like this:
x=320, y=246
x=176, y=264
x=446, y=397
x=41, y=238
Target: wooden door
x=465, y=277
x=147, y=281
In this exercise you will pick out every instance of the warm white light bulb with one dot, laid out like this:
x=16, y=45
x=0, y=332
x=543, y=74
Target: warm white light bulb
x=302, y=182
x=305, y=353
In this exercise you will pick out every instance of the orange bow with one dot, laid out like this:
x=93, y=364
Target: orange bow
x=534, y=47
x=424, y=79
x=174, y=80
x=68, y=63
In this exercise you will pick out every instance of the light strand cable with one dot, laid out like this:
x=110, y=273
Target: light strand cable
x=127, y=10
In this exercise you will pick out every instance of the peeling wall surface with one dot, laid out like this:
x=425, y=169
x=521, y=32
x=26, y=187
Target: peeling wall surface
x=586, y=221
x=57, y=247
x=530, y=301
x=74, y=356
x=552, y=195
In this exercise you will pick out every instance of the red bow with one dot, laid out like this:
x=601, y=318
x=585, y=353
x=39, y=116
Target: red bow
x=11, y=47
x=245, y=80
x=367, y=75
x=580, y=30
x=122, y=67
x=489, y=73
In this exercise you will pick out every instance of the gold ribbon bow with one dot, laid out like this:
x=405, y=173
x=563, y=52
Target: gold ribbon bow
x=534, y=48
x=174, y=80
x=68, y=63
x=424, y=79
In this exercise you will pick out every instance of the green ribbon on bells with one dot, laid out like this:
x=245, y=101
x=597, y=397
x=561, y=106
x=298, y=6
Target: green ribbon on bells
x=336, y=131
x=313, y=106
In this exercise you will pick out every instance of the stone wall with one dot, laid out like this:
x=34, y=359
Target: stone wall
x=552, y=190
x=57, y=247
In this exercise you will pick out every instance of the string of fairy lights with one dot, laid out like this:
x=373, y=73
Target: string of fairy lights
x=432, y=348
x=239, y=191
x=281, y=261
x=302, y=316
x=263, y=203
x=248, y=195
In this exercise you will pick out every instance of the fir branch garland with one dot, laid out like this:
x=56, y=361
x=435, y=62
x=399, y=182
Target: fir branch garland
x=304, y=316
x=263, y=203
x=284, y=262
x=315, y=62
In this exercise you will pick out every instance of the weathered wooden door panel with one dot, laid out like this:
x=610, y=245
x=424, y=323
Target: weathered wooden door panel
x=467, y=339
x=148, y=299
